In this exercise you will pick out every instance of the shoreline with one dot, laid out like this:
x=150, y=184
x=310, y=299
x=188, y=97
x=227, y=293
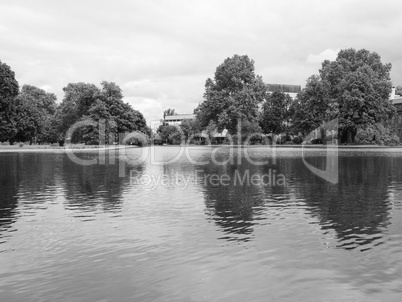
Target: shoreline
x=91, y=148
x=50, y=148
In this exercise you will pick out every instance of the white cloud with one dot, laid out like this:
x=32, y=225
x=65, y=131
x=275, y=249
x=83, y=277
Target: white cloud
x=328, y=54
x=161, y=52
x=47, y=88
x=151, y=108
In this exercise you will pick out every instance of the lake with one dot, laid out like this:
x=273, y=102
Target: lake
x=207, y=224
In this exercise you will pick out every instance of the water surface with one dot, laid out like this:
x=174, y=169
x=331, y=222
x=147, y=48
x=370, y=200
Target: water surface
x=160, y=230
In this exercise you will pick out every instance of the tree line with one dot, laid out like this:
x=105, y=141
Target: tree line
x=354, y=90
x=31, y=114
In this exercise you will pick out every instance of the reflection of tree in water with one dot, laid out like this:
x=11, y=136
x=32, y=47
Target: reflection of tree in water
x=25, y=179
x=232, y=207
x=357, y=208
x=30, y=180
x=10, y=180
x=89, y=188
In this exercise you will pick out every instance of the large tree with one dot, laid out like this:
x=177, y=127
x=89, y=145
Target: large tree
x=311, y=107
x=358, y=87
x=354, y=89
x=35, y=109
x=8, y=91
x=233, y=94
x=127, y=119
x=78, y=98
x=84, y=101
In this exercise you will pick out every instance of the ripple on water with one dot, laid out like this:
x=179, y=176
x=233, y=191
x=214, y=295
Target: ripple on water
x=68, y=232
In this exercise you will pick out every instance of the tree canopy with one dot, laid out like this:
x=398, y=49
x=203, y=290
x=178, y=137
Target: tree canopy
x=35, y=109
x=311, y=106
x=355, y=88
x=82, y=101
x=233, y=94
x=359, y=85
x=8, y=91
x=32, y=114
x=168, y=112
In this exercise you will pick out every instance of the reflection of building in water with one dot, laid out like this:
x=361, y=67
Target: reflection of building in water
x=396, y=121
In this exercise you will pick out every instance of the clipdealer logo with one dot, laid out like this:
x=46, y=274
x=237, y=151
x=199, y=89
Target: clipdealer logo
x=118, y=153
x=331, y=172
x=153, y=181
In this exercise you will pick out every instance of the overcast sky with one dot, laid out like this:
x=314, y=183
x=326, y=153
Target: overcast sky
x=161, y=52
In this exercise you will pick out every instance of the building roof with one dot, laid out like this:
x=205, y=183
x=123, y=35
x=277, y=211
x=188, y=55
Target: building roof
x=397, y=100
x=179, y=117
x=284, y=88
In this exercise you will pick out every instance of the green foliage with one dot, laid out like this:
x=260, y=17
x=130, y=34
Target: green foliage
x=210, y=130
x=190, y=128
x=188, y=131
x=275, y=117
x=168, y=112
x=8, y=83
x=376, y=134
x=354, y=89
x=8, y=91
x=297, y=140
x=251, y=133
x=170, y=134
x=78, y=99
x=311, y=107
x=359, y=85
x=86, y=101
x=35, y=109
x=32, y=114
x=49, y=133
x=233, y=95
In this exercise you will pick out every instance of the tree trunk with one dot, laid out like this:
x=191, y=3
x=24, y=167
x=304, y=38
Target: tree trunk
x=323, y=134
x=349, y=138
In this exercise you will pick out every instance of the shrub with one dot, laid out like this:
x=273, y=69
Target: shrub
x=266, y=140
x=297, y=140
x=376, y=134
x=317, y=141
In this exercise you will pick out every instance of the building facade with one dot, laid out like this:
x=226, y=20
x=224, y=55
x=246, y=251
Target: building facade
x=292, y=90
x=396, y=121
x=177, y=119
